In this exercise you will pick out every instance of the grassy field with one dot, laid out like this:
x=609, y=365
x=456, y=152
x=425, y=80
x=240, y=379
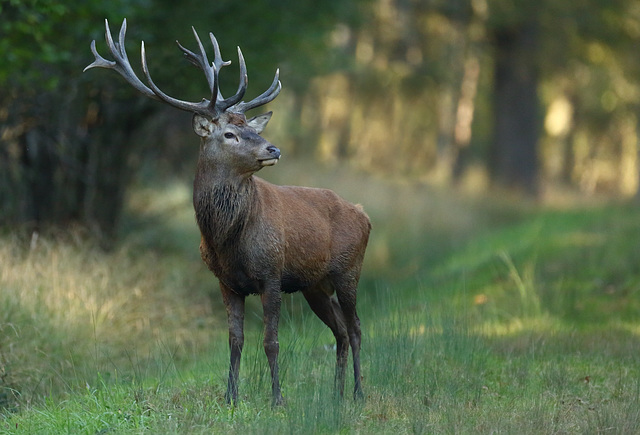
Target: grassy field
x=479, y=316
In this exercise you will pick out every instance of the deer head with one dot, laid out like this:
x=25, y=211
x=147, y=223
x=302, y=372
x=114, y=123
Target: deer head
x=233, y=145
x=228, y=138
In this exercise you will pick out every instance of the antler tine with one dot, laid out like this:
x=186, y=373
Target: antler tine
x=189, y=55
x=202, y=62
x=217, y=61
x=121, y=36
x=121, y=63
x=202, y=107
x=218, y=103
x=264, y=98
x=100, y=61
x=242, y=87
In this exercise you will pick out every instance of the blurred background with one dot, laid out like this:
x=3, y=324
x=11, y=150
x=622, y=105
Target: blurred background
x=537, y=98
x=494, y=144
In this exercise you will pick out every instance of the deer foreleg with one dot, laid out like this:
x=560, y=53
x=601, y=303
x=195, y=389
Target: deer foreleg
x=271, y=300
x=235, y=314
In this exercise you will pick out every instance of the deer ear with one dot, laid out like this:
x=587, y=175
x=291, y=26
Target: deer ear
x=202, y=125
x=260, y=122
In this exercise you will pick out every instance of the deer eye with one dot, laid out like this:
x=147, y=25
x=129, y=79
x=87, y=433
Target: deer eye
x=229, y=135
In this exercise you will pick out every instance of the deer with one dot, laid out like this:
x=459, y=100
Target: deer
x=260, y=238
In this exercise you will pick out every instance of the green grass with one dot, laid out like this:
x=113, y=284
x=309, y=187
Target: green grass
x=476, y=319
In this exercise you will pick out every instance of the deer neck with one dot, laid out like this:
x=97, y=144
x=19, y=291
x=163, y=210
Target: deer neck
x=222, y=203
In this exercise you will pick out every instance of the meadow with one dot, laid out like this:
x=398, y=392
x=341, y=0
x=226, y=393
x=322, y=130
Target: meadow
x=479, y=315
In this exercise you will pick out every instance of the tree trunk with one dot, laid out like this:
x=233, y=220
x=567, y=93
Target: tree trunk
x=514, y=161
x=59, y=167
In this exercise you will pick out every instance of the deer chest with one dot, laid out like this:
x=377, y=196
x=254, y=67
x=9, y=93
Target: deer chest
x=234, y=269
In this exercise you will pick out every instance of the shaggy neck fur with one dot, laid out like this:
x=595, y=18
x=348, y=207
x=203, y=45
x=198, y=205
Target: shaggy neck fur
x=222, y=207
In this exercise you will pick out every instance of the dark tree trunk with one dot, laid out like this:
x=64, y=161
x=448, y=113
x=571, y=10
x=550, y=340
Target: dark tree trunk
x=38, y=164
x=63, y=164
x=514, y=160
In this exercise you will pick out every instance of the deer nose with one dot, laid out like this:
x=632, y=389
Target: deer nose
x=275, y=152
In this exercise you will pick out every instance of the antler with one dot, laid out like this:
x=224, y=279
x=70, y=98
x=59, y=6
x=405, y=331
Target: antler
x=213, y=107
x=263, y=99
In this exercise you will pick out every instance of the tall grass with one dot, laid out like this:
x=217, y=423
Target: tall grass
x=474, y=321
x=424, y=372
x=71, y=311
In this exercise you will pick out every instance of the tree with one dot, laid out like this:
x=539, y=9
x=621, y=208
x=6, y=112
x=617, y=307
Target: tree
x=514, y=160
x=64, y=152
x=548, y=51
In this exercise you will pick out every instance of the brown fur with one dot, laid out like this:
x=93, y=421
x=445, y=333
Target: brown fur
x=260, y=238
x=237, y=119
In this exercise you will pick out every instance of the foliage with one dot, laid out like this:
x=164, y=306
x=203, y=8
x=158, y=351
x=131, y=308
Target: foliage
x=40, y=40
x=53, y=158
x=421, y=98
x=404, y=88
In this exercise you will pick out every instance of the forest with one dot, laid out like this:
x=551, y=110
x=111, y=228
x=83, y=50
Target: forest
x=481, y=94
x=493, y=144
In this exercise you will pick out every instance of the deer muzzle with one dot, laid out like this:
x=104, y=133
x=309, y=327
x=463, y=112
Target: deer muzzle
x=275, y=156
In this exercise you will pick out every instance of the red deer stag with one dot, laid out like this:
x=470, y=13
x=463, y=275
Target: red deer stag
x=256, y=237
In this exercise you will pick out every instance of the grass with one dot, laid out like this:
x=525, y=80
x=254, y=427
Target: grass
x=476, y=319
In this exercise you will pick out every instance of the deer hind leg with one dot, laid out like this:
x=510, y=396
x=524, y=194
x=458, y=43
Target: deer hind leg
x=346, y=289
x=234, y=304
x=328, y=310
